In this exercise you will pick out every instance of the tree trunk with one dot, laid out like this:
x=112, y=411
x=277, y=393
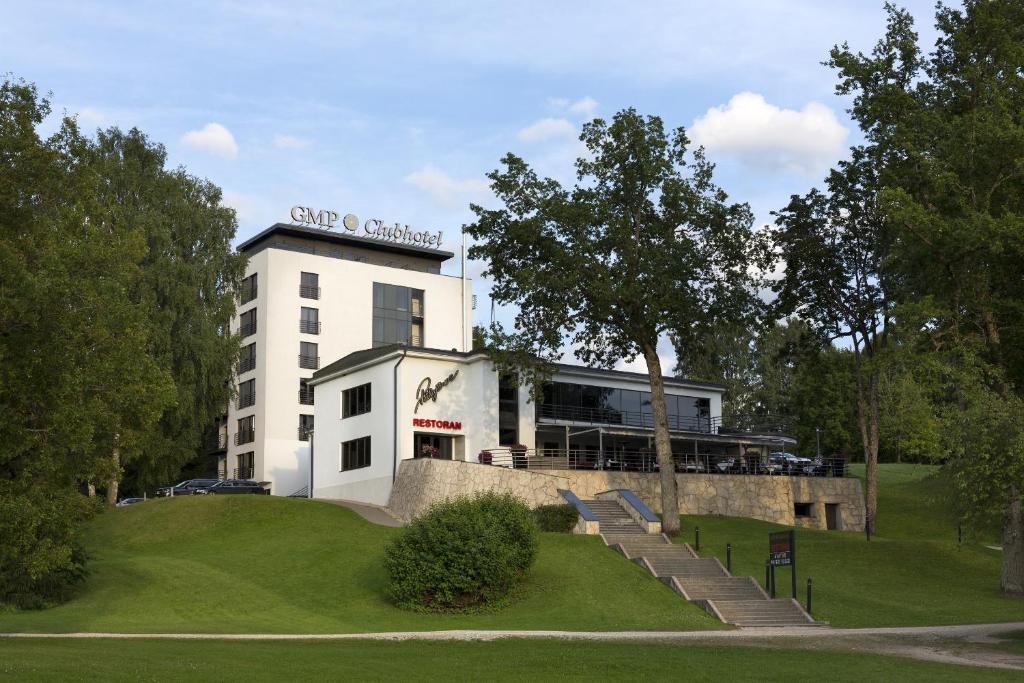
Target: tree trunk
x=1012, y=579
x=663, y=444
x=867, y=421
x=115, y=456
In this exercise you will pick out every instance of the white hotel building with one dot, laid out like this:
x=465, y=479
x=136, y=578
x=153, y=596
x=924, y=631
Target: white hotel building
x=356, y=356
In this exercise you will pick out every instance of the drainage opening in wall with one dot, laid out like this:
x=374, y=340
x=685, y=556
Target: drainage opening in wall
x=802, y=509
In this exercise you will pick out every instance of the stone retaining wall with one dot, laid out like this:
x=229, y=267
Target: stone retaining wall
x=421, y=482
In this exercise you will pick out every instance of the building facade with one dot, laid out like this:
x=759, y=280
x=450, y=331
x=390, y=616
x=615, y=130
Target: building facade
x=314, y=295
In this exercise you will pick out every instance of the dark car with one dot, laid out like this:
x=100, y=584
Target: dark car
x=124, y=502
x=231, y=486
x=186, y=488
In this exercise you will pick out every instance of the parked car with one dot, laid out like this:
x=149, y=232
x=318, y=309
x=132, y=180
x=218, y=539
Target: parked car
x=124, y=502
x=726, y=465
x=186, y=488
x=793, y=464
x=232, y=486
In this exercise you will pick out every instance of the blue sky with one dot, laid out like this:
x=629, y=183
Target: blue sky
x=398, y=109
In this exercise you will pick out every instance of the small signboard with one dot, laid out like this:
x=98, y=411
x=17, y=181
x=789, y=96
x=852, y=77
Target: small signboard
x=781, y=548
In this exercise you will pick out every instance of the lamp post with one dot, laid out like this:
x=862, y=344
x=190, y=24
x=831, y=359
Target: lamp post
x=817, y=440
x=309, y=435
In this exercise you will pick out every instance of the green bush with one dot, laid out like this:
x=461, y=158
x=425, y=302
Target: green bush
x=462, y=553
x=41, y=559
x=555, y=517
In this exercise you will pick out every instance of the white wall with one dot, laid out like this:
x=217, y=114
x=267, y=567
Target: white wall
x=346, y=315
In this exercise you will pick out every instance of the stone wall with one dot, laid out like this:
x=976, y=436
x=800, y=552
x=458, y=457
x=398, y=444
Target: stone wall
x=769, y=498
x=423, y=481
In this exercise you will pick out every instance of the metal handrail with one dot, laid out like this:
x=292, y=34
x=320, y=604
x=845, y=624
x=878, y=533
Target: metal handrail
x=247, y=294
x=246, y=330
x=245, y=436
x=309, y=362
x=309, y=292
x=306, y=396
x=246, y=364
x=243, y=473
x=246, y=400
x=309, y=326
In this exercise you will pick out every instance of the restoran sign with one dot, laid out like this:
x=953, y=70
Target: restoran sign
x=373, y=227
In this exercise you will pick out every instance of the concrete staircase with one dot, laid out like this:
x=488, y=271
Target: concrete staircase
x=737, y=600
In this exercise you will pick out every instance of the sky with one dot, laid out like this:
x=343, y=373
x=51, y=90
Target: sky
x=397, y=110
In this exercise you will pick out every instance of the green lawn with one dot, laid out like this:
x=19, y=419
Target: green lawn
x=911, y=573
x=245, y=564
x=505, y=660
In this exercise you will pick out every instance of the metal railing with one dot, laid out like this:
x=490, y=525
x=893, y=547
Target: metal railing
x=247, y=293
x=304, y=433
x=245, y=436
x=246, y=364
x=216, y=442
x=309, y=362
x=306, y=396
x=309, y=292
x=741, y=424
x=247, y=330
x=309, y=326
x=243, y=473
x=647, y=461
x=246, y=400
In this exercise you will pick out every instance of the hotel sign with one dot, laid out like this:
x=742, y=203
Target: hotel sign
x=375, y=228
x=425, y=392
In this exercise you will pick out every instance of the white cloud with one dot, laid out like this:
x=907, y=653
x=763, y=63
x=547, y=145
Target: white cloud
x=290, y=142
x=546, y=129
x=763, y=135
x=584, y=107
x=213, y=138
x=446, y=190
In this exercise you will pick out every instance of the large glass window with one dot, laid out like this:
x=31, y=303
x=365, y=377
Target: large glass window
x=246, y=430
x=355, y=401
x=248, y=289
x=247, y=393
x=305, y=427
x=355, y=454
x=309, y=286
x=305, y=392
x=308, y=356
x=397, y=315
x=309, y=320
x=247, y=358
x=508, y=411
x=585, y=403
x=246, y=461
x=247, y=322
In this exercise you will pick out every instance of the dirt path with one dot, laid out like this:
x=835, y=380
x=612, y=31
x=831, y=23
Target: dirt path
x=968, y=644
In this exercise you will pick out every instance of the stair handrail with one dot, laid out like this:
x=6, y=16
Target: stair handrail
x=581, y=508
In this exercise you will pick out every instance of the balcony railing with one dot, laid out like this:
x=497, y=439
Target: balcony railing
x=245, y=436
x=216, y=442
x=309, y=292
x=248, y=329
x=246, y=400
x=246, y=364
x=306, y=396
x=243, y=473
x=647, y=461
x=247, y=294
x=309, y=326
x=304, y=433
x=309, y=362
x=702, y=424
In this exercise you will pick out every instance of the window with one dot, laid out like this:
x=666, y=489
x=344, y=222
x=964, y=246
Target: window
x=802, y=509
x=246, y=430
x=305, y=427
x=309, y=320
x=247, y=393
x=248, y=290
x=246, y=462
x=247, y=322
x=355, y=454
x=585, y=403
x=309, y=286
x=308, y=357
x=397, y=315
x=247, y=358
x=508, y=411
x=305, y=393
x=355, y=401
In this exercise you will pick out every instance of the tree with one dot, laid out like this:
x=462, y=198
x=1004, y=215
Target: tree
x=834, y=245
x=948, y=129
x=642, y=246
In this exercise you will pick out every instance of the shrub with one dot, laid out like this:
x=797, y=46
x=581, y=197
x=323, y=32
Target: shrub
x=463, y=552
x=555, y=517
x=41, y=559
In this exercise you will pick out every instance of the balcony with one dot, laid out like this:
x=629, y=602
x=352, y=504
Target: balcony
x=306, y=396
x=246, y=400
x=243, y=472
x=247, y=329
x=304, y=433
x=216, y=442
x=309, y=362
x=309, y=326
x=247, y=294
x=309, y=292
x=246, y=364
x=245, y=436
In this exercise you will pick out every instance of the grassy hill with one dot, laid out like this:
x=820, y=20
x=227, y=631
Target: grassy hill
x=911, y=573
x=223, y=564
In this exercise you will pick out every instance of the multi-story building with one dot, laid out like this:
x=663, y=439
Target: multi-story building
x=311, y=296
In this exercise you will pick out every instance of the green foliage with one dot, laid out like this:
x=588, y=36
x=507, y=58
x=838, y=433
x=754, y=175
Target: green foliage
x=555, y=517
x=462, y=553
x=41, y=556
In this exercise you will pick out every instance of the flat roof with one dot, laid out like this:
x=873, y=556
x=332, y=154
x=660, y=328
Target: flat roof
x=332, y=237
x=357, y=358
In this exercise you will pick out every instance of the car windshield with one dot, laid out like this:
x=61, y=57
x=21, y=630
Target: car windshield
x=183, y=484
